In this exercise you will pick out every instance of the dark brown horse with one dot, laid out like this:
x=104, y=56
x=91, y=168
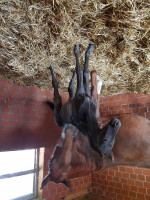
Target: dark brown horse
x=75, y=155
x=72, y=156
x=80, y=109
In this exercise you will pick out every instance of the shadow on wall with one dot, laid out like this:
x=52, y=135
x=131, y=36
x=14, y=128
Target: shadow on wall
x=25, y=122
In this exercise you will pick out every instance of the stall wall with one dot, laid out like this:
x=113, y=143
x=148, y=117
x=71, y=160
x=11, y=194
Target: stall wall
x=123, y=182
x=25, y=122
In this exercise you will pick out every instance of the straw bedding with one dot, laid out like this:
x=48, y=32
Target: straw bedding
x=35, y=34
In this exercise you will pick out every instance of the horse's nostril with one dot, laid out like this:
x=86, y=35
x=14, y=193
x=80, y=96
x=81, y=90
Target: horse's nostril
x=116, y=123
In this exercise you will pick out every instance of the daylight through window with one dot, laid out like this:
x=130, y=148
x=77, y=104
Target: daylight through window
x=18, y=174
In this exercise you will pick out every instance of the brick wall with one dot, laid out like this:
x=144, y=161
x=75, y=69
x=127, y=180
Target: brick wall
x=123, y=182
x=26, y=123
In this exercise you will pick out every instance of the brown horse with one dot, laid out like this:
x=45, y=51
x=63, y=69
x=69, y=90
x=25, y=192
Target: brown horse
x=132, y=145
x=74, y=155
x=80, y=109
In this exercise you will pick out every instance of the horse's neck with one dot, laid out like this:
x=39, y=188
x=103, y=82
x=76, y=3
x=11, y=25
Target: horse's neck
x=83, y=153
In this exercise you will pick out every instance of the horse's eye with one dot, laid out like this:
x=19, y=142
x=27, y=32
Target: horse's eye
x=105, y=140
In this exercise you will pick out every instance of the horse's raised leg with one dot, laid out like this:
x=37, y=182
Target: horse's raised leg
x=79, y=71
x=71, y=86
x=57, y=99
x=86, y=70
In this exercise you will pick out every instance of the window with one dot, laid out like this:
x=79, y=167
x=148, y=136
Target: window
x=18, y=174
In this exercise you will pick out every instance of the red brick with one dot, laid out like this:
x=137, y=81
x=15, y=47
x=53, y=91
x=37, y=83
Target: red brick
x=125, y=107
x=1, y=116
x=116, y=168
x=5, y=123
x=148, y=191
x=133, y=176
x=119, y=185
x=147, y=197
x=147, y=184
x=109, y=178
x=128, y=111
x=103, y=176
x=116, y=179
x=122, y=168
x=108, y=113
x=124, y=180
x=131, y=182
x=8, y=116
x=140, y=104
x=123, y=97
x=114, y=112
x=146, y=171
x=141, y=177
x=135, y=100
x=135, y=110
x=130, y=170
x=144, y=109
x=132, y=194
x=134, y=188
x=111, y=172
x=133, y=105
x=102, y=114
x=140, y=94
x=111, y=183
x=140, y=196
x=125, y=192
x=143, y=99
x=126, y=186
x=128, y=198
x=138, y=171
x=110, y=189
x=148, y=178
x=102, y=105
x=117, y=190
x=118, y=174
x=120, y=197
x=105, y=182
x=105, y=100
x=117, y=97
x=139, y=183
x=112, y=108
x=147, y=104
x=125, y=175
x=142, y=190
x=121, y=111
x=111, y=98
x=113, y=195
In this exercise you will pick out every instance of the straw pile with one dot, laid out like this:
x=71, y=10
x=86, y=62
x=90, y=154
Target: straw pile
x=35, y=34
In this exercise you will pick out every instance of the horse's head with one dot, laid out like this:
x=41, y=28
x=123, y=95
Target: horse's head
x=107, y=137
x=59, y=164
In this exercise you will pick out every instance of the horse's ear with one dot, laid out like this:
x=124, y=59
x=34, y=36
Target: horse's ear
x=46, y=180
x=50, y=104
x=67, y=185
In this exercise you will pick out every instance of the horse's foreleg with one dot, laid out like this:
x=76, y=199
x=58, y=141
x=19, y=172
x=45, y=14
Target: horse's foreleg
x=94, y=94
x=86, y=70
x=57, y=99
x=80, y=87
x=71, y=86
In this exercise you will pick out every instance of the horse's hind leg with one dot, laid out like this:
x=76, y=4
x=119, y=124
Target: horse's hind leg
x=86, y=70
x=80, y=86
x=57, y=99
x=71, y=86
